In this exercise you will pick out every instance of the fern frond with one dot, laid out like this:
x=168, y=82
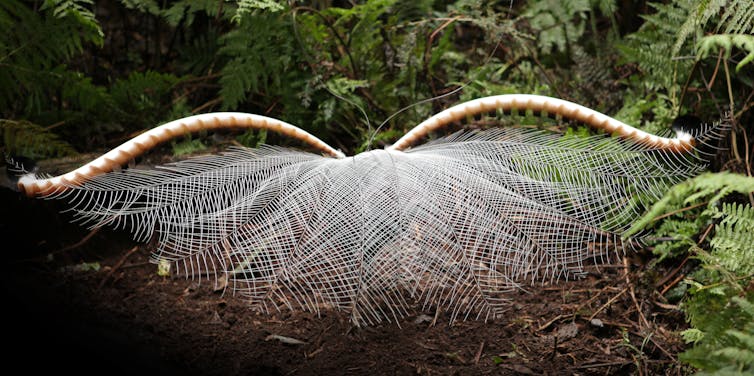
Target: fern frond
x=710, y=186
x=558, y=23
x=733, y=243
x=738, y=17
x=32, y=141
x=713, y=43
x=78, y=9
x=247, y=7
x=142, y=97
x=727, y=343
x=729, y=16
x=260, y=51
x=145, y=6
x=32, y=45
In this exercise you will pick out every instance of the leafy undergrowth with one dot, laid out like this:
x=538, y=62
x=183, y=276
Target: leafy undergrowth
x=81, y=75
x=717, y=294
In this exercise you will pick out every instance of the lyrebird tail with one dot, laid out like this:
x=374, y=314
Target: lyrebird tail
x=454, y=223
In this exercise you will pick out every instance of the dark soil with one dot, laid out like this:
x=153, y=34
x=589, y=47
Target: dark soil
x=125, y=318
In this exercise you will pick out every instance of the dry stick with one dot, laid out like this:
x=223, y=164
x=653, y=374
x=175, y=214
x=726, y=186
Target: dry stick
x=681, y=210
x=547, y=324
x=609, y=302
x=428, y=50
x=633, y=295
x=731, y=104
x=748, y=103
x=209, y=103
x=582, y=305
x=79, y=243
x=666, y=352
x=717, y=69
x=673, y=283
x=671, y=274
x=117, y=266
x=479, y=353
x=677, y=269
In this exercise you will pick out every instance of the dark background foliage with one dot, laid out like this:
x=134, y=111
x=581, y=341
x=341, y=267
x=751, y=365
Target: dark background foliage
x=78, y=76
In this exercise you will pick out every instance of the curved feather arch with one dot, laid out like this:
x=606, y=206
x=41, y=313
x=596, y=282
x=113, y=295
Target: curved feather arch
x=139, y=145
x=543, y=105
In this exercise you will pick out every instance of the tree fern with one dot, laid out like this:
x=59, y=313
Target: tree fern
x=649, y=46
x=142, y=98
x=80, y=10
x=145, y=6
x=710, y=186
x=558, y=23
x=246, y=7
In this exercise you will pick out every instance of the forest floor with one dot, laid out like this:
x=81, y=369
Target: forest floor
x=125, y=318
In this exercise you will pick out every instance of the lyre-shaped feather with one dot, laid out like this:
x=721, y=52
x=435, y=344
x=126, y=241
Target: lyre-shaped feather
x=454, y=223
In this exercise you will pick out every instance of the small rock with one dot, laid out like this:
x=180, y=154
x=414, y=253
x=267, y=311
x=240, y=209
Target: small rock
x=597, y=323
x=567, y=331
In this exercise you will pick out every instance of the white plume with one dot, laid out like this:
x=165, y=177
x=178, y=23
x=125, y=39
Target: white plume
x=454, y=224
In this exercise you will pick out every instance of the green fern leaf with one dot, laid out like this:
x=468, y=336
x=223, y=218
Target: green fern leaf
x=247, y=7
x=726, y=42
x=32, y=141
x=78, y=9
x=713, y=186
x=260, y=52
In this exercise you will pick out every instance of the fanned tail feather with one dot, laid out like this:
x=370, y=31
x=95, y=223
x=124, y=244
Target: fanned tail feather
x=455, y=223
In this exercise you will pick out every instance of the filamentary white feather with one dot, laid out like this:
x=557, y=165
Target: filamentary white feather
x=455, y=223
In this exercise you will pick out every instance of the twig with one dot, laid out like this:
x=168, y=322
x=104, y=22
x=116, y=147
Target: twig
x=437, y=315
x=607, y=303
x=117, y=266
x=667, y=306
x=681, y=210
x=649, y=337
x=547, y=324
x=79, y=243
x=717, y=69
x=673, y=283
x=673, y=273
x=582, y=305
x=597, y=365
x=706, y=232
x=678, y=268
x=55, y=125
x=209, y=103
x=633, y=295
x=479, y=353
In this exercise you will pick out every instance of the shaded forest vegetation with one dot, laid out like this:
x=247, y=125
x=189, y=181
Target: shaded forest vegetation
x=80, y=77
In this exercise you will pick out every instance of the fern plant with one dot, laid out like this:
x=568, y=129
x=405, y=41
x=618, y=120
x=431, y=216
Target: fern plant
x=34, y=45
x=31, y=140
x=718, y=302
